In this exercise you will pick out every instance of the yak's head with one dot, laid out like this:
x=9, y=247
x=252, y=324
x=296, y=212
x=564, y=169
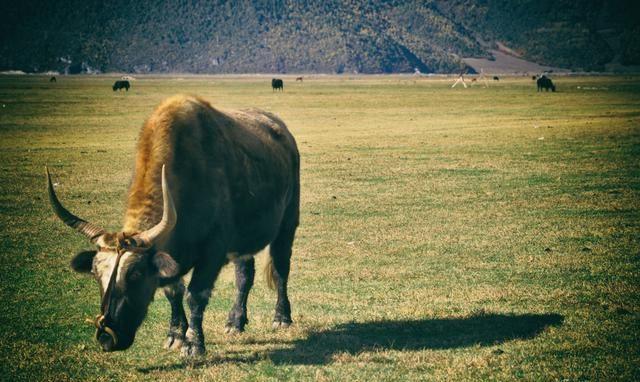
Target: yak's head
x=128, y=269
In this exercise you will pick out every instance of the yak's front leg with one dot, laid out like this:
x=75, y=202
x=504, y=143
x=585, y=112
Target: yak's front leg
x=198, y=293
x=245, y=272
x=178, y=324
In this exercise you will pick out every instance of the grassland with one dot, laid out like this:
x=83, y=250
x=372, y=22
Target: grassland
x=446, y=234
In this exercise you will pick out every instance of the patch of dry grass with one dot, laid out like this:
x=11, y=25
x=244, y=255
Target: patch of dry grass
x=447, y=234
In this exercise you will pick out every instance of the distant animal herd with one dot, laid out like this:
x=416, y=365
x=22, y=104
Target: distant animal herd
x=277, y=84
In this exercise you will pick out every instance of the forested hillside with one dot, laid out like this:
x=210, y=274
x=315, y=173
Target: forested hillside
x=580, y=35
x=335, y=36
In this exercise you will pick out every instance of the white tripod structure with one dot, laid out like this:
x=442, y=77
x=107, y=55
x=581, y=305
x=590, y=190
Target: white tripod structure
x=483, y=78
x=459, y=80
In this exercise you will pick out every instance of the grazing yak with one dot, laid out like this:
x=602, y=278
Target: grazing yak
x=209, y=187
x=496, y=78
x=53, y=79
x=545, y=82
x=277, y=83
x=121, y=85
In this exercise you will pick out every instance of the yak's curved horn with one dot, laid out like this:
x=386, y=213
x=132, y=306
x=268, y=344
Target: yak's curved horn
x=90, y=230
x=169, y=216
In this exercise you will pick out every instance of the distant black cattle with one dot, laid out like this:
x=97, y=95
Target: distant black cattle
x=121, y=85
x=53, y=79
x=496, y=78
x=534, y=77
x=545, y=83
x=277, y=83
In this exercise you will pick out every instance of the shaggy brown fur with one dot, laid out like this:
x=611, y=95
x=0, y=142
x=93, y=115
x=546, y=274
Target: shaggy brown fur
x=181, y=123
x=234, y=179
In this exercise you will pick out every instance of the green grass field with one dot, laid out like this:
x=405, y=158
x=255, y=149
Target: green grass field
x=446, y=234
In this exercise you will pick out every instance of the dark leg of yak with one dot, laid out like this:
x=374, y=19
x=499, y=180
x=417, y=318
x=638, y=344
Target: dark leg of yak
x=178, y=324
x=281, y=256
x=245, y=272
x=198, y=293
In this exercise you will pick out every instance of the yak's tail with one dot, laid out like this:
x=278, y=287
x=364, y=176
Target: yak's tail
x=269, y=272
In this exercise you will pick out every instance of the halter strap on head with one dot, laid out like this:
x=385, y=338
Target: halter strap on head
x=106, y=299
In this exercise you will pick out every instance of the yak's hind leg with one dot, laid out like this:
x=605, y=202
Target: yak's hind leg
x=280, y=251
x=178, y=324
x=245, y=272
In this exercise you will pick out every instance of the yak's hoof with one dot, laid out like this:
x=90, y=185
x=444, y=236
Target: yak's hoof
x=193, y=345
x=192, y=349
x=173, y=342
x=280, y=324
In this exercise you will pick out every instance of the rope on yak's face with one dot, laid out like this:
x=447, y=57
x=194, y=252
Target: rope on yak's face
x=101, y=321
x=101, y=327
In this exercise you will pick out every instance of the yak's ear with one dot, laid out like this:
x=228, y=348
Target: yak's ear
x=166, y=265
x=83, y=261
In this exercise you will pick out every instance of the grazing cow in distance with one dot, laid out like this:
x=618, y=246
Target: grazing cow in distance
x=209, y=187
x=496, y=78
x=121, y=85
x=545, y=83
x=298, y=79
x=534, y=78
x=474, y=80
x=277, y=83
x=53, y=79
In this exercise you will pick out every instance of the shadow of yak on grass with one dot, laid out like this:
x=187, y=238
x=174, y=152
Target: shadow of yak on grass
x=355, y=337
x=438, y=333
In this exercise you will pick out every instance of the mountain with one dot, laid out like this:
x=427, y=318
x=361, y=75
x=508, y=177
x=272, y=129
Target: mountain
x=334, y=36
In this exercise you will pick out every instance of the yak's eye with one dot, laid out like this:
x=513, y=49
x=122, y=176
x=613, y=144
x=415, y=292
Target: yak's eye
x=135, y=275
